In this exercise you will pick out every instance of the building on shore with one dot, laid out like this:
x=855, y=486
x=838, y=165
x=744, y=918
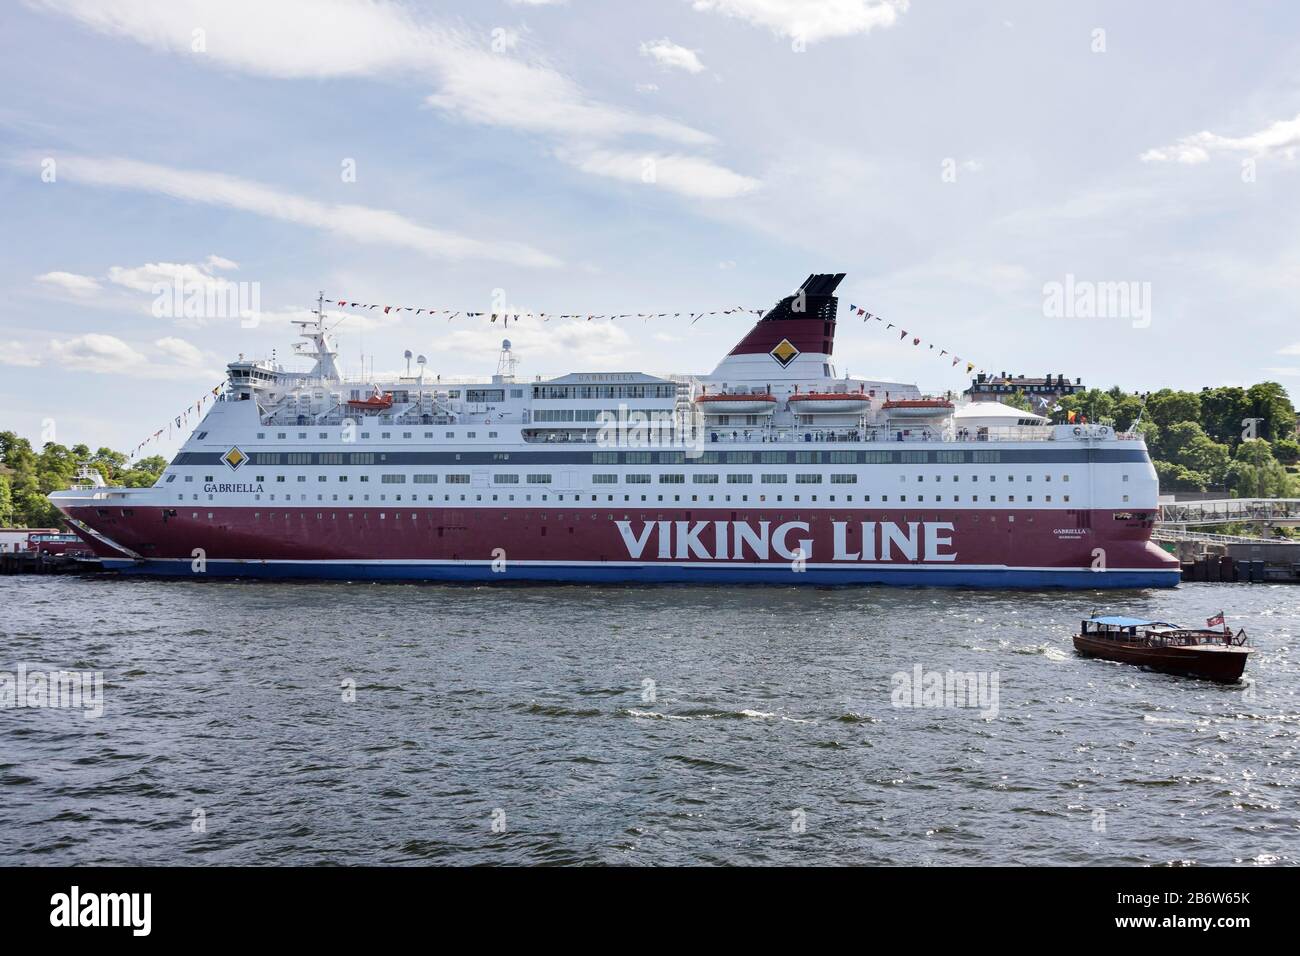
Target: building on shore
x=1040, y=391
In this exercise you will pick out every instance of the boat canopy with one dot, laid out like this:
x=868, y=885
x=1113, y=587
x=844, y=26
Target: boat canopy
x=1122, y=621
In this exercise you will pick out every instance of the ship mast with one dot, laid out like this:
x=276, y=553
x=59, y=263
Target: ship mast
x=319, y=344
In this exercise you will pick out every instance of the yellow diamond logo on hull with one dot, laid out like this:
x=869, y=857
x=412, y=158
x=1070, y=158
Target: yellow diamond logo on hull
x=784, y=353
x=234, y=458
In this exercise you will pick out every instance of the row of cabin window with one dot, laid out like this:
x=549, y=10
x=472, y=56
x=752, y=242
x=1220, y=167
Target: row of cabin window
x=633, y=479
x=884, y=499
x=283, y=436
x=716, y=457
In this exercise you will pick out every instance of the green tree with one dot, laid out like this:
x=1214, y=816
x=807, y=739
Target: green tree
x=144, y=473
x=1255, y=473
x=6, y=501
x=1150, y=433
x=1179, y=478
x=1127, y=409
x=109, y=463
x=1286, y=450
x=1094, y=403
x=1167, y=407
x=1268, y=402
x=1222, y=412
x=1185, y=443
x=30, y=476
x=1018, y=400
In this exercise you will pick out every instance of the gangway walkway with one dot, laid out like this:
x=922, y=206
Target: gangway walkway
x=1270, y=511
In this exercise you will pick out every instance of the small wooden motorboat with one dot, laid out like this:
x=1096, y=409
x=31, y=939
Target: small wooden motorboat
x=1217, y=655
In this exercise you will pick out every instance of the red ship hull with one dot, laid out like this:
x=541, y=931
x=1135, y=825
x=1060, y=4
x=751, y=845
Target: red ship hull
x=590, y=542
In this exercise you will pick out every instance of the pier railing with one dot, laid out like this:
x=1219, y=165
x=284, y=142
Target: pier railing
x=1174, y=535
x=1231, y=510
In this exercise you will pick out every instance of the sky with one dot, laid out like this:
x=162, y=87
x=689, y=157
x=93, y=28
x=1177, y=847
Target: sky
x=979, y=171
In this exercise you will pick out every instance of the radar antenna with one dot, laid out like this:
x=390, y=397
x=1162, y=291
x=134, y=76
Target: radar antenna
x=506, y=363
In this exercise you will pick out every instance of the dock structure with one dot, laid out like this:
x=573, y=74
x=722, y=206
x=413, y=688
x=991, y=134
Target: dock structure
x=34, y=562
x=1262, y=512
x=1211, y=556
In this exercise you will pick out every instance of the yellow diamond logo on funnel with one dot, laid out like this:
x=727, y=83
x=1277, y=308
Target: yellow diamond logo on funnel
x=234, y=458
x=784, y=353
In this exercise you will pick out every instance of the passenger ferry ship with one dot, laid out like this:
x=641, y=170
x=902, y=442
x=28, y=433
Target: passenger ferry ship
x=771, y=469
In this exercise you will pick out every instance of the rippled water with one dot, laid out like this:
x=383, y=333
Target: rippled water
x=767, y=736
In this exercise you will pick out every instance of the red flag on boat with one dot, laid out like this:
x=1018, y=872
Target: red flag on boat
x=1216, y=621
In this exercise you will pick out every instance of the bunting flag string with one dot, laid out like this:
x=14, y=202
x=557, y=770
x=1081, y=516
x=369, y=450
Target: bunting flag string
x=916, y=339
x=179, y=422
x=507, y=317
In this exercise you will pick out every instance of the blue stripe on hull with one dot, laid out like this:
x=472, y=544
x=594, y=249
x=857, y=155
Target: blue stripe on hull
x=661, y=574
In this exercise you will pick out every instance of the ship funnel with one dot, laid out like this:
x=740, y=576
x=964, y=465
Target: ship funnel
x=806, y=319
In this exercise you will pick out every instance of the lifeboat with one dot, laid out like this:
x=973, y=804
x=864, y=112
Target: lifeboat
x=377, y=402
x=917, y=407
x=724, y=404
x=829, y=403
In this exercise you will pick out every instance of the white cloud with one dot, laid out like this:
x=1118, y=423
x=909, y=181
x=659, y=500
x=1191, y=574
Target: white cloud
x=108, y=355
x=70, y=282
x=294, y=39
x=1278, y=139
x=1293, y=349
x=146, y=277
x=218, y=262
x=672, y=55
x=16, y=354
x=352, y=222
x=96, y=352
x=689, y=175
x=811, y=20
x=180, y=351
x=496, y=90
